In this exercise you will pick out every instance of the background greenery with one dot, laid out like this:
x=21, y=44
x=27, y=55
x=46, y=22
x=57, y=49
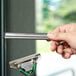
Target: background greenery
x=55, y=13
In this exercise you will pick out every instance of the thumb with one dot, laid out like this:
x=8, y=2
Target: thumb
x=58, y=36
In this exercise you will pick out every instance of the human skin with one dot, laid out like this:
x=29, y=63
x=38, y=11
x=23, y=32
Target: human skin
x=67, y=34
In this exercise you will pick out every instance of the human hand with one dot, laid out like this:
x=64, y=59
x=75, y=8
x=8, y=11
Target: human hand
x=66, y=33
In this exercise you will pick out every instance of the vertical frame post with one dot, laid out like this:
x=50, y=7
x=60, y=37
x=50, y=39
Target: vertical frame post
x=2, y=43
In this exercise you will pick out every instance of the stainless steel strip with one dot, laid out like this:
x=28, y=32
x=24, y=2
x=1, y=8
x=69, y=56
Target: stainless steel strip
x=41, y=36
x=23, y=59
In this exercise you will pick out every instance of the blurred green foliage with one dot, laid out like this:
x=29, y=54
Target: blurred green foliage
x=57, y=13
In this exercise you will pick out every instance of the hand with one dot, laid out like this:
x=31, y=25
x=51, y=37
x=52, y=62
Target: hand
x=66, y=33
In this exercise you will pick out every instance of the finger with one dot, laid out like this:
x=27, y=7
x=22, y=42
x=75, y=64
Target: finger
x=61, y=28
x=73, y=51
x=53, y=45
x=68, y=50
x=59, y=36
x=56, y=30
x=66, y=55
x=60, y=49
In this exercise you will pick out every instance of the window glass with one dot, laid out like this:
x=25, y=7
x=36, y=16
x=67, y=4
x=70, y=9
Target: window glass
x=52, y=13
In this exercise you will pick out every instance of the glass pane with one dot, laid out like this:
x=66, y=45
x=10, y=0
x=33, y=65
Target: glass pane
x=50, y=14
